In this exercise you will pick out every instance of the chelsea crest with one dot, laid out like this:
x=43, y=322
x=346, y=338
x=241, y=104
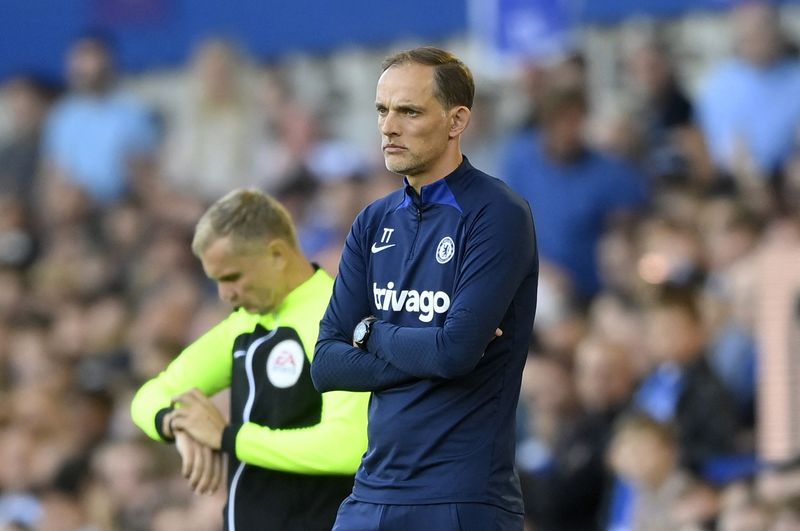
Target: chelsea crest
x=445, y=250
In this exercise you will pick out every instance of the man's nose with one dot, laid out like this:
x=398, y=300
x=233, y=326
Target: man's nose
x=226, y=293
x=389, y=125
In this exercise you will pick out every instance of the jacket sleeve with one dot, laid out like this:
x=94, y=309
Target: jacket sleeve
x=337, y=364
x=500, y=253
x=205, y=364
x=333, y=446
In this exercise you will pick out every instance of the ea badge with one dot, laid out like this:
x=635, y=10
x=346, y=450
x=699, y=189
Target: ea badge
x=445, y=250
x=285, y=363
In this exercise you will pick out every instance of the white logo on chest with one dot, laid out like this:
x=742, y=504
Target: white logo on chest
x=387, y=235
x=445, y=250
x=426, y=303
x=285, y=363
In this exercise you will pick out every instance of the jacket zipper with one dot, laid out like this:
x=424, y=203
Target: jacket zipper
x=416, y=234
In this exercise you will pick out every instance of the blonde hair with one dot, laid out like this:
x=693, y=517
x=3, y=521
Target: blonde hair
x=249, y=217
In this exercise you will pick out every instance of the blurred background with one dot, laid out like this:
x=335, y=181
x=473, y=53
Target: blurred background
x=657, y=141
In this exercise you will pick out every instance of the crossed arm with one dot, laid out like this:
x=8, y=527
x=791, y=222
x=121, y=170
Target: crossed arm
x=494, y=265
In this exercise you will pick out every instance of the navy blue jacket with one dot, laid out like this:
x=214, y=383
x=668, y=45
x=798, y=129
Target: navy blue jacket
x=441, y=270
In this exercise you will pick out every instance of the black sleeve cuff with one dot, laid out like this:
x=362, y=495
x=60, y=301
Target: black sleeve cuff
x=229, y=434
x=160, y=422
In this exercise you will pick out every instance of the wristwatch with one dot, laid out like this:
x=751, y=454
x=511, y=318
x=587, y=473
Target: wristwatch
x=362, y=331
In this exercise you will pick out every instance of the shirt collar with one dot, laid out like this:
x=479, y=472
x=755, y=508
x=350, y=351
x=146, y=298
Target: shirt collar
x=437, y=192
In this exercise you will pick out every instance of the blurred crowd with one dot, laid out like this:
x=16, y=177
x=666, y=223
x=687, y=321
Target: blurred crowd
x=668, y=233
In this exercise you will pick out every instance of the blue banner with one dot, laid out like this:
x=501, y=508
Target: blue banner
x=611, y=11
x=546, y=29
x=34, y=34
x=534, y=28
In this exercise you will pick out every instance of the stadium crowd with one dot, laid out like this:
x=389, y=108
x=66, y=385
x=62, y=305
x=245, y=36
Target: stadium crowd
x=656, y=229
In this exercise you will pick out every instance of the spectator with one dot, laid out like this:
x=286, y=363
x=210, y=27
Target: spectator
x=644, y=455
x=670, y=252
x=674, y=148
x=98, y=135
x=291, y=134
x=730, y=235
x=18, y=243
x=548, y=398
x=566, y=491
x=212, y=140
x=29, y=101
x=681, y=387
x=575, y=192
x=653, y=83
x=616, y=261
x=617, y=320
x=340, y=174
x=748, y=106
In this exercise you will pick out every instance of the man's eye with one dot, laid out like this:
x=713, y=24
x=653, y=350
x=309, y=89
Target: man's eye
x=412, y=113
x=381, y=111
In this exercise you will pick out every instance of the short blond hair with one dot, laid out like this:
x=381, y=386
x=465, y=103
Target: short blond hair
x=249, y=217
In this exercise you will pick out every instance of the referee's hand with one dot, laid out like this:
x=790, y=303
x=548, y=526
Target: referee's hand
x=201, y=465
x=199, y=417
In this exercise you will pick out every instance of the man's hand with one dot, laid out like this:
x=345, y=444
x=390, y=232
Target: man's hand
x=198, y=416
x=201, y=465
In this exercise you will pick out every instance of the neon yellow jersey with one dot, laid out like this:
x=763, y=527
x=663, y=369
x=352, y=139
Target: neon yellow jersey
x=278, y=421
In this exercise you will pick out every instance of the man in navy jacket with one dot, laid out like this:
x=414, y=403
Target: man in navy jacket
x=432, y=312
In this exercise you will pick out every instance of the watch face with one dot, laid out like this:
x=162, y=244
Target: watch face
x=360, y=331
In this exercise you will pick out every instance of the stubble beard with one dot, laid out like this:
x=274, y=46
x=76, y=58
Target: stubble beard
x=408, y=166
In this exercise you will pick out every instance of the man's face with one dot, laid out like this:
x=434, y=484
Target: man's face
x=413, y=123
x=673, y=335
x=89, y=66
x=28, y=108
x=642, y=458
x=757, y=33
x=603, y=376
x=251, y=280
x=563, y=132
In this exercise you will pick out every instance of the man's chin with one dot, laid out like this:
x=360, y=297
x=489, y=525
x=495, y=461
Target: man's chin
x=400, y=168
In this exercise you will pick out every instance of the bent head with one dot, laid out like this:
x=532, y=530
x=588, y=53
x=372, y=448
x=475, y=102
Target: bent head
x=247, y=244
x=423, y=101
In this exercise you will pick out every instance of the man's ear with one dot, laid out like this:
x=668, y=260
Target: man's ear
x=278, y=251
x=459, y=120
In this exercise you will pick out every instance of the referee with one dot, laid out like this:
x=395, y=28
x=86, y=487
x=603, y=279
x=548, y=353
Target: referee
x=292, y=451
x=427, y=275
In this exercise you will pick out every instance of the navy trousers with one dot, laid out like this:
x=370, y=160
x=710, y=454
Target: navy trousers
x=361, y=516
